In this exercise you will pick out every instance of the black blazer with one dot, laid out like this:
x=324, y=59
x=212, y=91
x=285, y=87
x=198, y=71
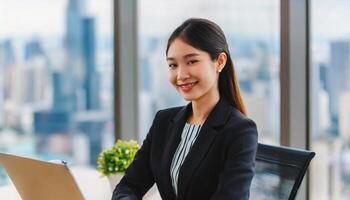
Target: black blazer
x=219, y=166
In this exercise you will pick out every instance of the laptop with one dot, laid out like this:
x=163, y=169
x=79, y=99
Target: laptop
x=40, y=180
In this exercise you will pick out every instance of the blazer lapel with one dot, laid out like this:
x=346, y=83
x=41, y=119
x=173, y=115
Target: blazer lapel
x=216, y=118
x=175, y=127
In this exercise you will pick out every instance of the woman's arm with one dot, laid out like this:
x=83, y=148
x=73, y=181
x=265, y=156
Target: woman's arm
x=138, y=178
x=238, y=172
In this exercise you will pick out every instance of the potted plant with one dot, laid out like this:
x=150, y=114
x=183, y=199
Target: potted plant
x=114, y=161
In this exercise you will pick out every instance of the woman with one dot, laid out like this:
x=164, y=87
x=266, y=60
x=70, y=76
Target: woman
x=205, y=150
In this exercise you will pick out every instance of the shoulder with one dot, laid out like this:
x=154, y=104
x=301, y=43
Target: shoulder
x=239, y=124
x=236, y=118
x=240, y=133
x=168, y=113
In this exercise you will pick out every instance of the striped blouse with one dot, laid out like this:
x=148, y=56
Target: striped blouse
x=188, y=136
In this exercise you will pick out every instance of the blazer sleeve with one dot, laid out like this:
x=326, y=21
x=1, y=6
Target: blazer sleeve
x=238, y=172
x=138, y=178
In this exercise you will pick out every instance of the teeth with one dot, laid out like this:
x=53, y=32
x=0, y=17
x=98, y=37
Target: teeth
x=189, y=84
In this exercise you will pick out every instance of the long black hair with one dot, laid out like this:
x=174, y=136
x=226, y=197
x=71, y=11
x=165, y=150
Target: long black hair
x=207, y=36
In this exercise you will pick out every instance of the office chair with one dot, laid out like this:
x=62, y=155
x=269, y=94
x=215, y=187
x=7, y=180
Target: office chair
x=279, y=172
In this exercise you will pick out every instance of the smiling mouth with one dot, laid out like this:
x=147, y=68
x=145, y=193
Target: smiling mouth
x=187, y=86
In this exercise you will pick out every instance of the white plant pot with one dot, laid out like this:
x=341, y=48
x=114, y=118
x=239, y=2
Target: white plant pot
x=152, y=194
x=114, y=180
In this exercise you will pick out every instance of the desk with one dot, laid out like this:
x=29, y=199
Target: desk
x=90, y=182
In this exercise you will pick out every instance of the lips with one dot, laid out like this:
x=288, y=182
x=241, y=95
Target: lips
x=186, y=87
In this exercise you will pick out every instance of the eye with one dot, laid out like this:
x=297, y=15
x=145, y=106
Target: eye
x=171, y=65
x=191, y=62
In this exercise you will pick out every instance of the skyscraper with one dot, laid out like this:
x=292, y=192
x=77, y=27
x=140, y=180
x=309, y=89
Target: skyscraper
x=1, y=97
x=62, y=101
x=80, y=71
x=92, y=77
x=72, y=75
x=32, y=48
x=7, y=53
x=339, y=70
x=73, y=42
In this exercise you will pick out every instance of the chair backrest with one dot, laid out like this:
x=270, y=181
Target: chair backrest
x=279, y=172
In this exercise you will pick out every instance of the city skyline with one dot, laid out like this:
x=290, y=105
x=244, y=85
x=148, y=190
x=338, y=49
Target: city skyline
x=53, y=103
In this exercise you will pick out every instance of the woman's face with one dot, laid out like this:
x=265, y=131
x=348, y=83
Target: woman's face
x=192, y=72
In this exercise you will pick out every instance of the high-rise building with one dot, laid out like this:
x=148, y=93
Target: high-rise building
x=338, y=81
x=92, y=77
x=72, y=75
x=51, y=122
x=53, y=128
x=316, y=89
x=1, y=98
x=80, y=70
x=73, y=42
x=323, y=75
x=344, y=114
x=27, y=85
x=90, y=124
x=32, y=49
x=7, y=54
x=2, y=56
x=62, y=99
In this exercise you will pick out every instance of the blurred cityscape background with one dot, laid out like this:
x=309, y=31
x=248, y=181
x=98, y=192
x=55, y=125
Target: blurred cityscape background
x=56, y=76
x=56, y=86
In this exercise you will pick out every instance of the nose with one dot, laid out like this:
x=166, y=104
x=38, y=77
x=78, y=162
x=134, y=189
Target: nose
x=182, y=73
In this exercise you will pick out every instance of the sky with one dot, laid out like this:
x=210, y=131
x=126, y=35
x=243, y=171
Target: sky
x=330, y=18
x=250, y=17
x=47, y=17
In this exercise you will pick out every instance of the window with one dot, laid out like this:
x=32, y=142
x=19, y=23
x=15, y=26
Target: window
x=56, y=79
x=330, y=85
x=252, y=29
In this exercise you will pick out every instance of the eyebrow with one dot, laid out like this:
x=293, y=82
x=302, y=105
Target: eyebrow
x=185, y=56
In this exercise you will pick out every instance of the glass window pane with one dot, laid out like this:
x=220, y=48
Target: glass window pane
x=330, y=85
x=252, y=30
x=56, y=79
